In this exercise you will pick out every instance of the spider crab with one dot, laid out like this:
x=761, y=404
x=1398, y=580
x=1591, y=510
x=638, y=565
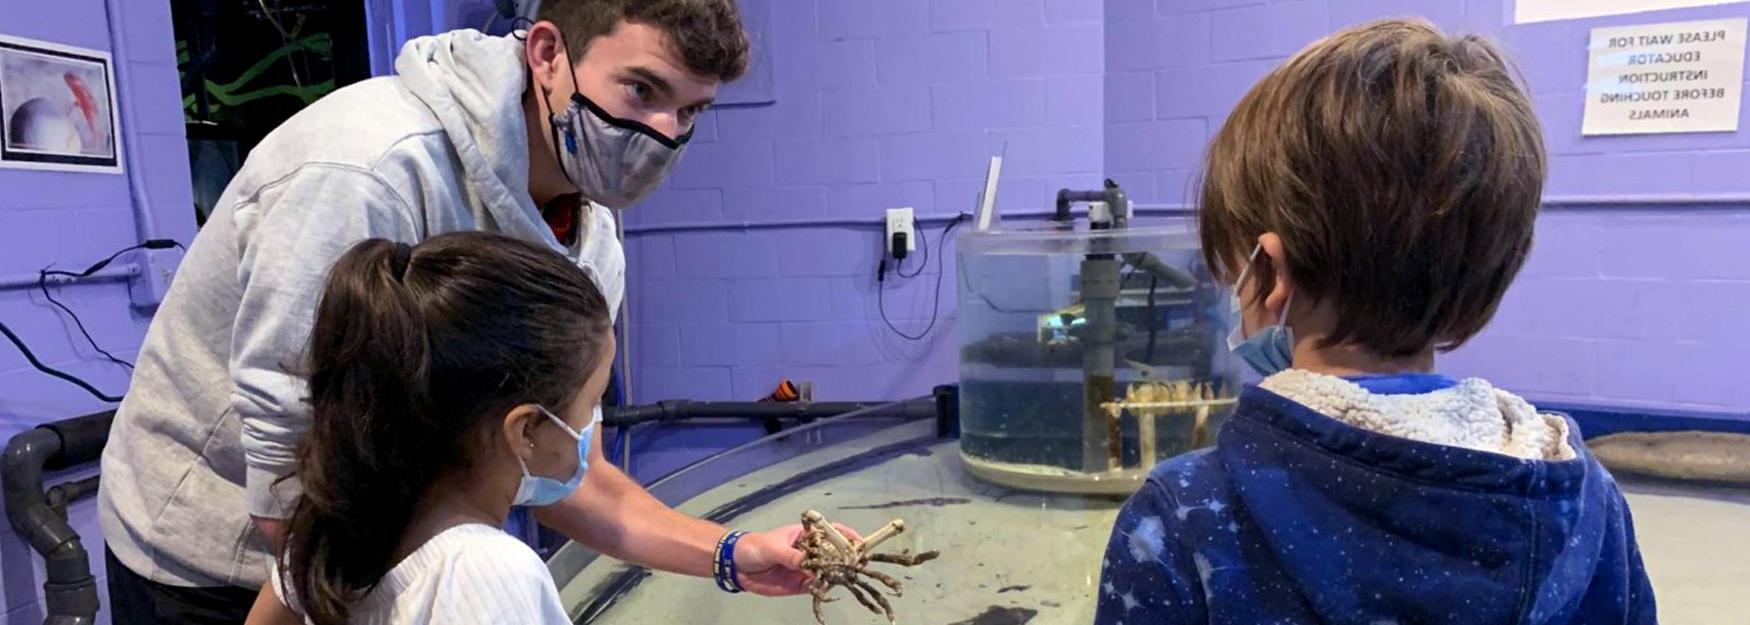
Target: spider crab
x=835, y=560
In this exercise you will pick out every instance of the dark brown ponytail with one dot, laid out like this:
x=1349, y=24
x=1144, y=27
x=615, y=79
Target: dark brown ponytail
x=413, y=351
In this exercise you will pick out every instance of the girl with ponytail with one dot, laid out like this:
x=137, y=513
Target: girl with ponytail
x=449, y=381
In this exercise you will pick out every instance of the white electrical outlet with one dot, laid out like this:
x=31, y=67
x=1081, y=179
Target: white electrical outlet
x=901, y=220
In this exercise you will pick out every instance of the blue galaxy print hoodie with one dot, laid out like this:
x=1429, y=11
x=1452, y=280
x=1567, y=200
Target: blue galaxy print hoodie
x=1400, y=500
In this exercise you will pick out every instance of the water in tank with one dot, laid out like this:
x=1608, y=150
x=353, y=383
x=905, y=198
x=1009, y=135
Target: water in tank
x=1087, y=357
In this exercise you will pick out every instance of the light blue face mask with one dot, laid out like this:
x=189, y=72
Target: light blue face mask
x=537, y=491
x=1270, y=350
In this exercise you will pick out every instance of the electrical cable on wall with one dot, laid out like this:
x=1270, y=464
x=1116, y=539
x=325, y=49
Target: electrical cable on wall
x=42, y=283
x=39, y=366
x=935, y=307
x=923, y=244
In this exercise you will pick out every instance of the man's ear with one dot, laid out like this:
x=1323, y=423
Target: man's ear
x=545, y=51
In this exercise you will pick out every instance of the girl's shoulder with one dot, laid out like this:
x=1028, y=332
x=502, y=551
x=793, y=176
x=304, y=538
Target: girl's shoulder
x=469, y=550
x=472, y=574
x=469, y=573
x=463, y=557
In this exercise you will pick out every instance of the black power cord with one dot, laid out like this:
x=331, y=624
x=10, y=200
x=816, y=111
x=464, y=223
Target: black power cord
x=935, y=308
x=42, y=283
x=154, y=244
x=923, y=244
x=38, y=364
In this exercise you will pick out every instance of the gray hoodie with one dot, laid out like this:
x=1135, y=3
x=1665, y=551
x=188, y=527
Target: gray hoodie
x=216, y=407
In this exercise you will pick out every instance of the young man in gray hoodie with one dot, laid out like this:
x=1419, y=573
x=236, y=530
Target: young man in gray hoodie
x=531, y=136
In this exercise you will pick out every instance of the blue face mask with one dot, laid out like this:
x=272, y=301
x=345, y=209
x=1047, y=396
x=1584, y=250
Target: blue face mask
x=537, y=491
x=1270, y=350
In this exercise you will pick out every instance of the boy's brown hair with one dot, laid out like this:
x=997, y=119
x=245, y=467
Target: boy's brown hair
x=706, y=34
x=1403, y=171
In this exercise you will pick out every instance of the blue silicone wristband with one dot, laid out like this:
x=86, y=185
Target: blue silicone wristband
x=723, y=568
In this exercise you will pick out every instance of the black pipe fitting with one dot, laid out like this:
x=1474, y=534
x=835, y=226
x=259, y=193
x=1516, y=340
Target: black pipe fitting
x=1065, y=197
x=62, y=494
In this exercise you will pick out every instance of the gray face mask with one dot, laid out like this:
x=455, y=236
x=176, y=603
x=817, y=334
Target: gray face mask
x=613, y=162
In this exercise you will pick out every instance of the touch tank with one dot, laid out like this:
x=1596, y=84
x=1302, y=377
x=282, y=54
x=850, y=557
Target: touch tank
x=1088, y=356
x=1008, y=557
x=1015, y=557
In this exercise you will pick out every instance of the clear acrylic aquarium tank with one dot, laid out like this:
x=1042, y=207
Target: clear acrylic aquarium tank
x=1087, y=357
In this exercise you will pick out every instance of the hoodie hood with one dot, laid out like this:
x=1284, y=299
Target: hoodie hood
x=474, y=84
x=1364, y=524
x=1471, y=414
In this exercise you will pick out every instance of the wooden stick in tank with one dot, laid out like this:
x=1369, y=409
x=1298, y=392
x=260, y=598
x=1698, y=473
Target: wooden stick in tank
x=1145, y=433
x=1114, y=445
x=1200, y=430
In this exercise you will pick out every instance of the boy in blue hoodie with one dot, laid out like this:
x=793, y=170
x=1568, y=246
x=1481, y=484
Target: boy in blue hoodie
x=1371, y=201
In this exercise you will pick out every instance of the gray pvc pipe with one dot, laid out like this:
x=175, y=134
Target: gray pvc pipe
x=69, y=590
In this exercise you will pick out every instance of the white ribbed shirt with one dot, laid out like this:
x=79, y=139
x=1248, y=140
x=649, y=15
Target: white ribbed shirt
x=467, y=575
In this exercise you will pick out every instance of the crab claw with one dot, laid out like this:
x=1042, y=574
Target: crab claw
x=891, y=529
x=832, y=532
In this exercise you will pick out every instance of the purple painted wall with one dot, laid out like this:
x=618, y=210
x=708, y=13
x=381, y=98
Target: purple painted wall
x=757, y=261
x=71, y=220
x=1638, y=289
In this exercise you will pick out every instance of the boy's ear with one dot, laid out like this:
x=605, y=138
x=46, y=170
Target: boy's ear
x=1283, y=288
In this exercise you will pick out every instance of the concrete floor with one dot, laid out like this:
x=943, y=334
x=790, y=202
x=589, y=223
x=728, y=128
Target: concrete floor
x=1694, y=542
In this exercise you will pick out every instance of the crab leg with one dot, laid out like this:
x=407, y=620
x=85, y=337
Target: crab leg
x=886, y=608
x=891, y=529
x=905, y=558
x=863, y=599
x=898, y=589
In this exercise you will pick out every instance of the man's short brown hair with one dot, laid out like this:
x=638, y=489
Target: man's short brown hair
x=1403, y=171
x=706, y=34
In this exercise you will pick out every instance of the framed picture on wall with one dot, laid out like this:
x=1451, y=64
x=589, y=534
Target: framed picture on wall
x=57, y=108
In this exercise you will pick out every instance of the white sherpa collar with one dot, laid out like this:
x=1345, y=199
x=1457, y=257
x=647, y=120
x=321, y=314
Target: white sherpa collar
x=1473, y=414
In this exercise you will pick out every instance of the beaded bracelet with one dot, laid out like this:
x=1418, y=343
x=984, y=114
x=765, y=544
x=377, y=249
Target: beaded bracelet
x=723, y=567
